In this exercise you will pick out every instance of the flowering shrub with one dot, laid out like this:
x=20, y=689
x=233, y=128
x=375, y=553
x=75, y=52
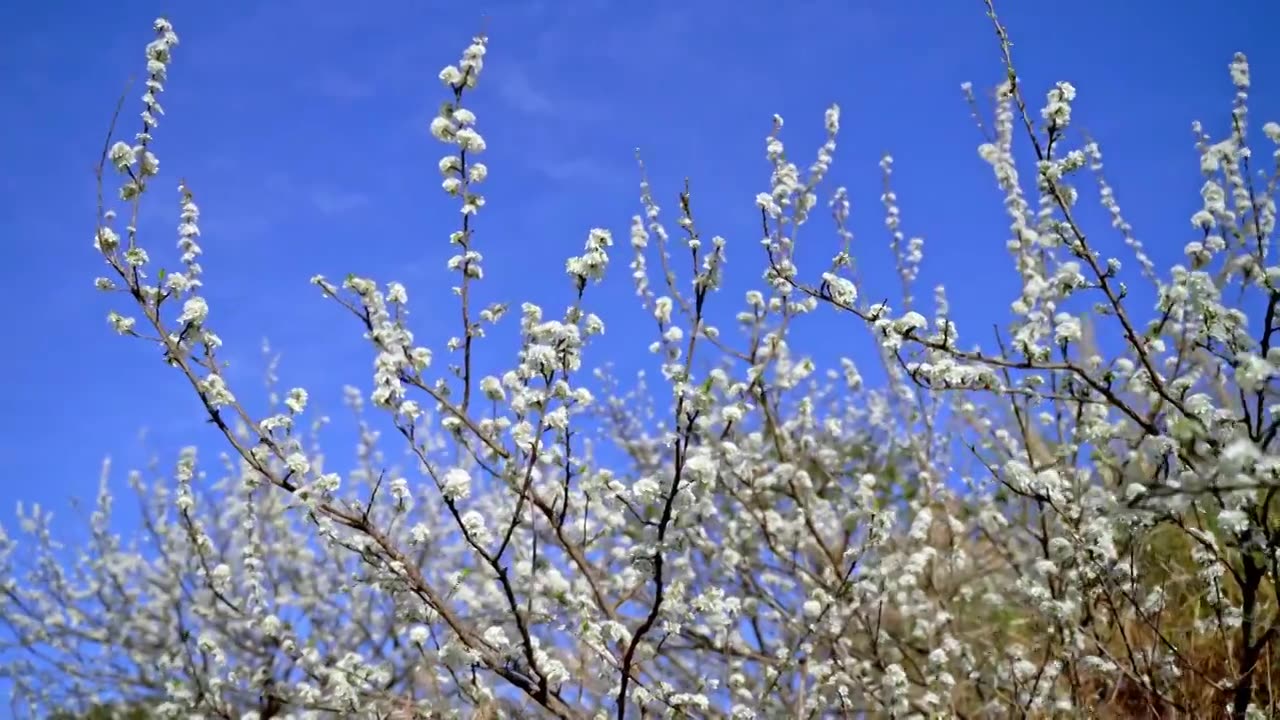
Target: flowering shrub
x=1070, y=519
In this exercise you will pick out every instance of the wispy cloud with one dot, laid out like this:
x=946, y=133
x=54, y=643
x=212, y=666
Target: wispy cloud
x=582, y=169
x=335, y=201
x=337, y=84
x=517, y=90
x=326, y=198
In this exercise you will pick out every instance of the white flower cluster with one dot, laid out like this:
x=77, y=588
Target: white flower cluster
x=1073, y=519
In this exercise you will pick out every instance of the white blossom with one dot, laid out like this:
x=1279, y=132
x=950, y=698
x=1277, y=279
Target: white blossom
x=1067, y=511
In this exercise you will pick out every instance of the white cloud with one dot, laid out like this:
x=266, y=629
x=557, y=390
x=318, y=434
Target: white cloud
x=337, y=85
x=335, y=201
x=580, y=169
x=517, y=90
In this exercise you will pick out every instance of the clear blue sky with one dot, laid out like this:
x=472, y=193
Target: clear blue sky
x=302, y=128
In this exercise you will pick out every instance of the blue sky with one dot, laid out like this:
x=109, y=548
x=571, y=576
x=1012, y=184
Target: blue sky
x=302, y=128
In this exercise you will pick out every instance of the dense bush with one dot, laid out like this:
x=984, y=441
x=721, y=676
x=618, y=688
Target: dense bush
x=1069, y=518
